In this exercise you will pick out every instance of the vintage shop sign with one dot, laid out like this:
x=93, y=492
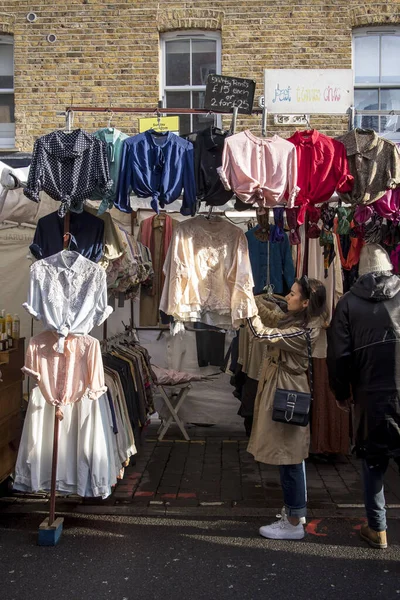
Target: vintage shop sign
x=311, y=91
x=162, y=124
x=224, y=93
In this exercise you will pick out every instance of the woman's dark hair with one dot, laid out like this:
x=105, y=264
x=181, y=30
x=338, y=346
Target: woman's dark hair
x=314, y=291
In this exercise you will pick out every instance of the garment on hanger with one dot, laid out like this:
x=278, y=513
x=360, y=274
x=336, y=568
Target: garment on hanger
x=157, y=166
x=208, y=274
x=129, y=365
x=345, y=217
x=113, y=138
x=155, y=233
x=291, y=217
x=275, y=259
x=374, y=163
x=133, y=268
x=86, y=231
x=125, y=440
x=208, y=147
x=330, y=426
x=112, y=243
x=68, y=167
x=69, y=377
x=68, y=293
x=322, y=169
x=260, y=170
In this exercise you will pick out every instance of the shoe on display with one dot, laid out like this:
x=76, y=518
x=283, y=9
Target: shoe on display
x=283, y=530
x=376, y=539
x=283, y=514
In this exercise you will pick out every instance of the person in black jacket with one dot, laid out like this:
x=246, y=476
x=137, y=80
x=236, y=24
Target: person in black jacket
x=364, y=364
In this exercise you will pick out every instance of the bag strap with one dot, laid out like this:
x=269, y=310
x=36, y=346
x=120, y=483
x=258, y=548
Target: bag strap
x=310, y=363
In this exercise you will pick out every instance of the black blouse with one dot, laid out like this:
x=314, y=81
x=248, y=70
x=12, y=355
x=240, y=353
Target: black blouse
x=208, y=146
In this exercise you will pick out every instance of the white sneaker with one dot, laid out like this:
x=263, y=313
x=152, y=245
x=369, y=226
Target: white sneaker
x=283, y=514
x=283, y=530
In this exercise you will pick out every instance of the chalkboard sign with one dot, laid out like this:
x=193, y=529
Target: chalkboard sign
x=224, y=93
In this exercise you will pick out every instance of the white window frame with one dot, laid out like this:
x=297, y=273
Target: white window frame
x=189, y=34
x=8, y=142
x=374, y=32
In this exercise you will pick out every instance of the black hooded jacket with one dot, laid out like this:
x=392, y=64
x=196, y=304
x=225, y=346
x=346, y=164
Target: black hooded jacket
x=364, y=361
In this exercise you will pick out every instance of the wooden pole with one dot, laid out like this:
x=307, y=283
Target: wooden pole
x=56, y=416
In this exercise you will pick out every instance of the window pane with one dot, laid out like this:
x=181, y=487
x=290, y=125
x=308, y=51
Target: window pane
x=390, y=52
x=366, y=59
x=390, y=124
x=6, y=66
x=367, y=122
x=180, y=100
x=367, y=100
x=200, y=121
x=204, y=60
x=177, y=62
x=7, y=108
x=390, y=99
x=177, y=99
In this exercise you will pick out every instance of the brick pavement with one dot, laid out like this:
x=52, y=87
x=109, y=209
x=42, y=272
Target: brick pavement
x=214, y=469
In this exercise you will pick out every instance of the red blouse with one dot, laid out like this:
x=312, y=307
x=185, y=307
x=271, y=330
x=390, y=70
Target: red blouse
x=322, y=168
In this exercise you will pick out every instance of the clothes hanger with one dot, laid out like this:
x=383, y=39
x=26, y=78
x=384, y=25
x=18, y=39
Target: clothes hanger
x=110, y=118
x=67, y=235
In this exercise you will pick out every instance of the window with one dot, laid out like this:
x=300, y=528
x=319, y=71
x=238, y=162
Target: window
x=187, y=58
x=7, y=120
x=377, y=80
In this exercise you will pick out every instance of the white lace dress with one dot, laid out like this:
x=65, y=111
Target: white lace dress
x=88, y=462
x=208, y=275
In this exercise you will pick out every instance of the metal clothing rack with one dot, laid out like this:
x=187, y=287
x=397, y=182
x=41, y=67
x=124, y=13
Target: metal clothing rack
x=69, y=111
x=129, y=330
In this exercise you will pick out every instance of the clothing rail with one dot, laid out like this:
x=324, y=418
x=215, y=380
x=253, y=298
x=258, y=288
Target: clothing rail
x=129, y=330
x=154, y=111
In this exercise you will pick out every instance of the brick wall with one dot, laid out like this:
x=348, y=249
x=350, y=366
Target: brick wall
x=111, y=51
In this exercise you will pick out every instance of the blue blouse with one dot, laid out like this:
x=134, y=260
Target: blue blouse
x=280, y=262
x=157, y=165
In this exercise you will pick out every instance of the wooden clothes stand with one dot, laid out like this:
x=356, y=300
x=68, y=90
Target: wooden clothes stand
x=51, y=528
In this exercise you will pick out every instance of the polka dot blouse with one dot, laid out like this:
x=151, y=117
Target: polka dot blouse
x=68, y=167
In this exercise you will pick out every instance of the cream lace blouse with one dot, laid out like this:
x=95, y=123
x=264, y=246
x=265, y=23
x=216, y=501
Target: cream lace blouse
x=208, y=275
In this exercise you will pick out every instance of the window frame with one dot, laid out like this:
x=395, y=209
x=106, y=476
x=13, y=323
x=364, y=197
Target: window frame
x=380, y=31
x=8, y=142
x=181, y=35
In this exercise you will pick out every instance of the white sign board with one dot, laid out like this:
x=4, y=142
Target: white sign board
x=311, y=91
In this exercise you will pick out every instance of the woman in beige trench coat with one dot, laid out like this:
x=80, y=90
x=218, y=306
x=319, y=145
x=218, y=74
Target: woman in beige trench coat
x=284, y=366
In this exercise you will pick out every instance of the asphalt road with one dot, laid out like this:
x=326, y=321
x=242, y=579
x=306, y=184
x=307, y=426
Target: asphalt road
x=131, y=558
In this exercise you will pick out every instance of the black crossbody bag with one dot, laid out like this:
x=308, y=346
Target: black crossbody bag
x=293, y=407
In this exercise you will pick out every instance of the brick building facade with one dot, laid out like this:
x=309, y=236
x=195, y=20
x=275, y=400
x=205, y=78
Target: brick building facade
x=110, y=52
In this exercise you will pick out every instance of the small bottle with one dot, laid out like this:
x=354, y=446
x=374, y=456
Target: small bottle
x=2, y=344
x=9, y=323
x=5, y=340
x=16, y=327
x=3, y=321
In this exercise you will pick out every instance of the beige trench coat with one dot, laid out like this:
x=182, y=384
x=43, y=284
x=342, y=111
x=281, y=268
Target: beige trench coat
x=284, y=366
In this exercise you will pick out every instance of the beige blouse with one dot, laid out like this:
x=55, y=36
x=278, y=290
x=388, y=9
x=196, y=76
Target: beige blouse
x=69, y=377
x=208, y=275
x=374, y=163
